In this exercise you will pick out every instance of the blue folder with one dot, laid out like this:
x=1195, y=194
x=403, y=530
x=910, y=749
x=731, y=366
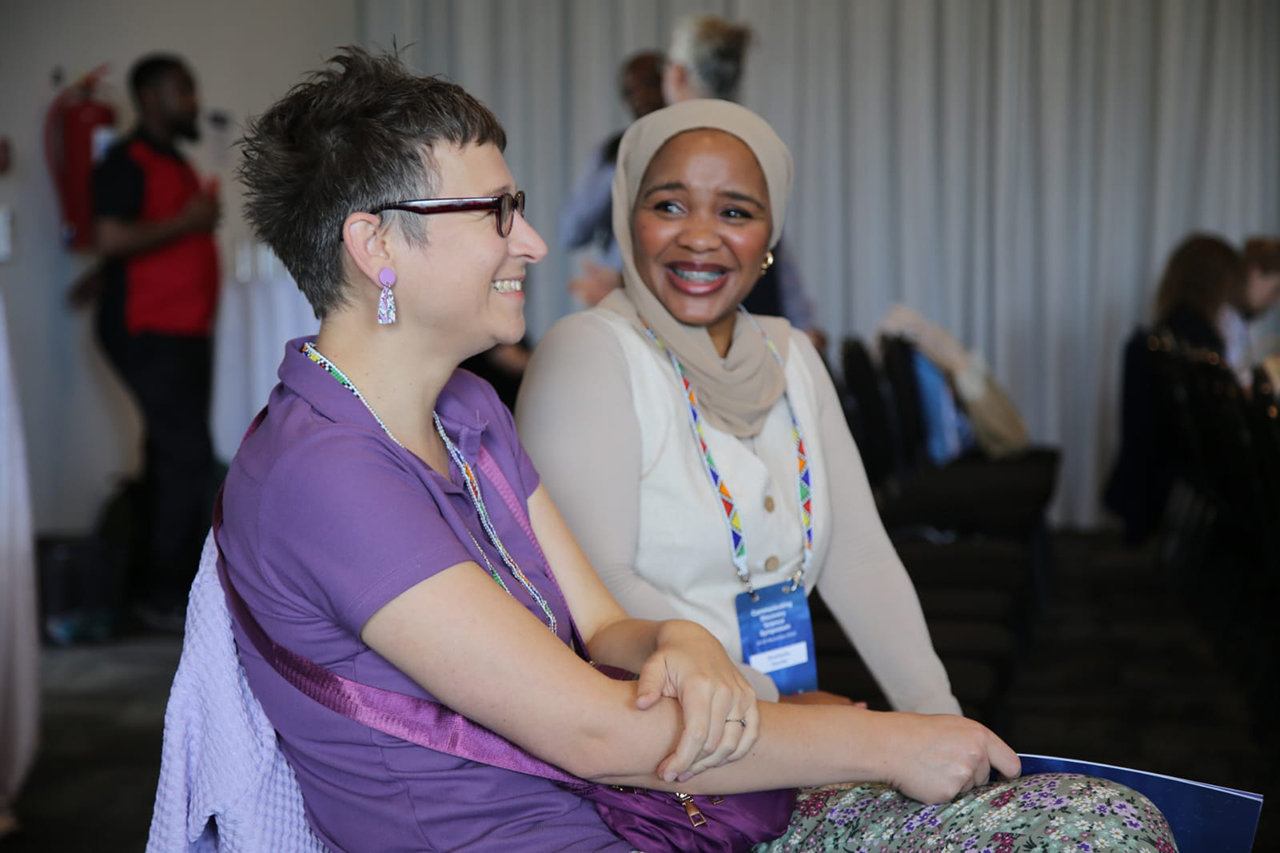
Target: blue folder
x=1204, y=818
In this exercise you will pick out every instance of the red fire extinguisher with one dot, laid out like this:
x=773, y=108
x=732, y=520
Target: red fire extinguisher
x=77, y=130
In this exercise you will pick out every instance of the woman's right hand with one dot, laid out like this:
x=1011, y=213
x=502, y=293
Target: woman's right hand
x=717, y=704
x=935, y=757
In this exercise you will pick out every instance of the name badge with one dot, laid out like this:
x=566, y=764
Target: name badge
x=777, y=636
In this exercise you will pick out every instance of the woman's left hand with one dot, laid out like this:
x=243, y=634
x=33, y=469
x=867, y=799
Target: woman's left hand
x=718, y=706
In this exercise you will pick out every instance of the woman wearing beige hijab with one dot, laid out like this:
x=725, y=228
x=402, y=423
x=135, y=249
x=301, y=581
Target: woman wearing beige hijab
x=607, y=421
x=702, y=462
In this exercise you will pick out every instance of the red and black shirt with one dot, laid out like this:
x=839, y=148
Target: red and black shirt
x=173, y=289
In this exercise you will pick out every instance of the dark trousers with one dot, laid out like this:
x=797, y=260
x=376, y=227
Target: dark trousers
x=171, y=378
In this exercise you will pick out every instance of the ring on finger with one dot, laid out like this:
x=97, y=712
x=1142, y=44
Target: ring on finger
x=737, y=720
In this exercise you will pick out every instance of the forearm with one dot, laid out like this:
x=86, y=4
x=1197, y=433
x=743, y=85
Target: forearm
x=626, y=643
x=642, y=598
x=549, y=701
x=798, y=746
x=116, y=238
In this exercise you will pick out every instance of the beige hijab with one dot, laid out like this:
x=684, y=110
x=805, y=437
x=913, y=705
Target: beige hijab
x=736, y=392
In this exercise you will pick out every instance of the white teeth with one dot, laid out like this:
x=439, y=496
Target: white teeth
x=508, y=285
x=697, y=276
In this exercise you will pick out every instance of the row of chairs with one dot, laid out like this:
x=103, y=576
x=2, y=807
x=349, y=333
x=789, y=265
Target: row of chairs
x=1222, y=524
x=971, y=534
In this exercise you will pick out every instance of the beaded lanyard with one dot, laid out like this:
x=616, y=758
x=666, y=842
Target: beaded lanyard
x=473, y=488
x=733, y=521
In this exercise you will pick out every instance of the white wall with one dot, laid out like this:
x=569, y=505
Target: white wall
x=82, y=433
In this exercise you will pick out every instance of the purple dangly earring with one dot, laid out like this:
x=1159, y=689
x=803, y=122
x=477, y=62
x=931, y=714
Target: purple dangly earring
x=387, y=301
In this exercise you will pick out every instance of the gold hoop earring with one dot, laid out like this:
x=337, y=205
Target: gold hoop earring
x=768, y=262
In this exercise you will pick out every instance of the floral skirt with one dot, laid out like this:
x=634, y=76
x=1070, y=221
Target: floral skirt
x=1044, y=813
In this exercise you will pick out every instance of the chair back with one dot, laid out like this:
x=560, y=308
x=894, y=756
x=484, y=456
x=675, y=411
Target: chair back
x=869, y=416
x=899, y=369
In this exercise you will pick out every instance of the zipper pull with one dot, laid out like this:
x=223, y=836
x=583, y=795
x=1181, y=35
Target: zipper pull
x=691, y=809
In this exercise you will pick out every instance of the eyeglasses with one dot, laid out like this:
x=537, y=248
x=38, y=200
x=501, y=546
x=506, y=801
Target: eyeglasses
x=506, y=206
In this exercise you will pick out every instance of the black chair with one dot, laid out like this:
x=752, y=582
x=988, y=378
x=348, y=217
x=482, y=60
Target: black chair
x=952, y=504
x=975, y=592
x=1168, y=476
x=915, y=494
x=976, y=494
x=868, y=415
x=1229, y=460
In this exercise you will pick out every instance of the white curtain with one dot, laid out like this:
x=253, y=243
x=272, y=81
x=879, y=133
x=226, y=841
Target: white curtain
x=1014, y=169
x=19, y=642
x=259, y=309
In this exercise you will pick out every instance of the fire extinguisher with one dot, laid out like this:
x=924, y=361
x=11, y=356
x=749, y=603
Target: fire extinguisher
x=77, y=130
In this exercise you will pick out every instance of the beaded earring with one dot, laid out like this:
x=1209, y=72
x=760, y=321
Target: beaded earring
x=387, y=300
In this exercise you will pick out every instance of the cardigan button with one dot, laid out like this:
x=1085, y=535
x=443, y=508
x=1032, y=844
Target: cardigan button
x=768, y=503
x=771, y=564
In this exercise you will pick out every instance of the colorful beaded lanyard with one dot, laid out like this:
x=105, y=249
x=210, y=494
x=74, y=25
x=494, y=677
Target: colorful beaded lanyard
x=473, y=488
x=733, y=521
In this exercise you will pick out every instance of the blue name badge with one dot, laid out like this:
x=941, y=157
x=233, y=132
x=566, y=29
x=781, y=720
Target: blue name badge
x=777, y=636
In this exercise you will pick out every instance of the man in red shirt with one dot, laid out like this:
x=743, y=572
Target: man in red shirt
x=154, y=226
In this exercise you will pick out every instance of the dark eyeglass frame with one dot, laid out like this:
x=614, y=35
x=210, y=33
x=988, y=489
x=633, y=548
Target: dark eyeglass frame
x=505, y=205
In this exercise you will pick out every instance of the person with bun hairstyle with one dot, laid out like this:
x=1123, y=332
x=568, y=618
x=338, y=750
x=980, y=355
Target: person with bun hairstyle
x=706, y=59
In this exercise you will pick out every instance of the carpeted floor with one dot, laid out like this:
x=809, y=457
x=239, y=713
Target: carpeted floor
x=1118, y=672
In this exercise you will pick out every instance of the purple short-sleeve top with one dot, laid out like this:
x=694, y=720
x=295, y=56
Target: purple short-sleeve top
x=326, y=519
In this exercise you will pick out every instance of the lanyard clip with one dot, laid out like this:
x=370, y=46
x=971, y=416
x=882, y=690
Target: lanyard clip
x=796, y=581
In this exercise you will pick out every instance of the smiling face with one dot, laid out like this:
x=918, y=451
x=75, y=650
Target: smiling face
x=701, y=227
x=465, y=285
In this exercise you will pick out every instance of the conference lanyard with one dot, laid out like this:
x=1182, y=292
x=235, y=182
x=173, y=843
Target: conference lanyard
x=728, y=505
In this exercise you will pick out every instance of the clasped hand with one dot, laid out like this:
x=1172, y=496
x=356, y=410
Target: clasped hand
x=936, y=757
x=717, y=705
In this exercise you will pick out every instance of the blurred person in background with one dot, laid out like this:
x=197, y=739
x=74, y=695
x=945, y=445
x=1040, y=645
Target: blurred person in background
x=1203, y=281
x=1261, y=291
x=586, y=214
x=154, y=223
x=584, y=219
